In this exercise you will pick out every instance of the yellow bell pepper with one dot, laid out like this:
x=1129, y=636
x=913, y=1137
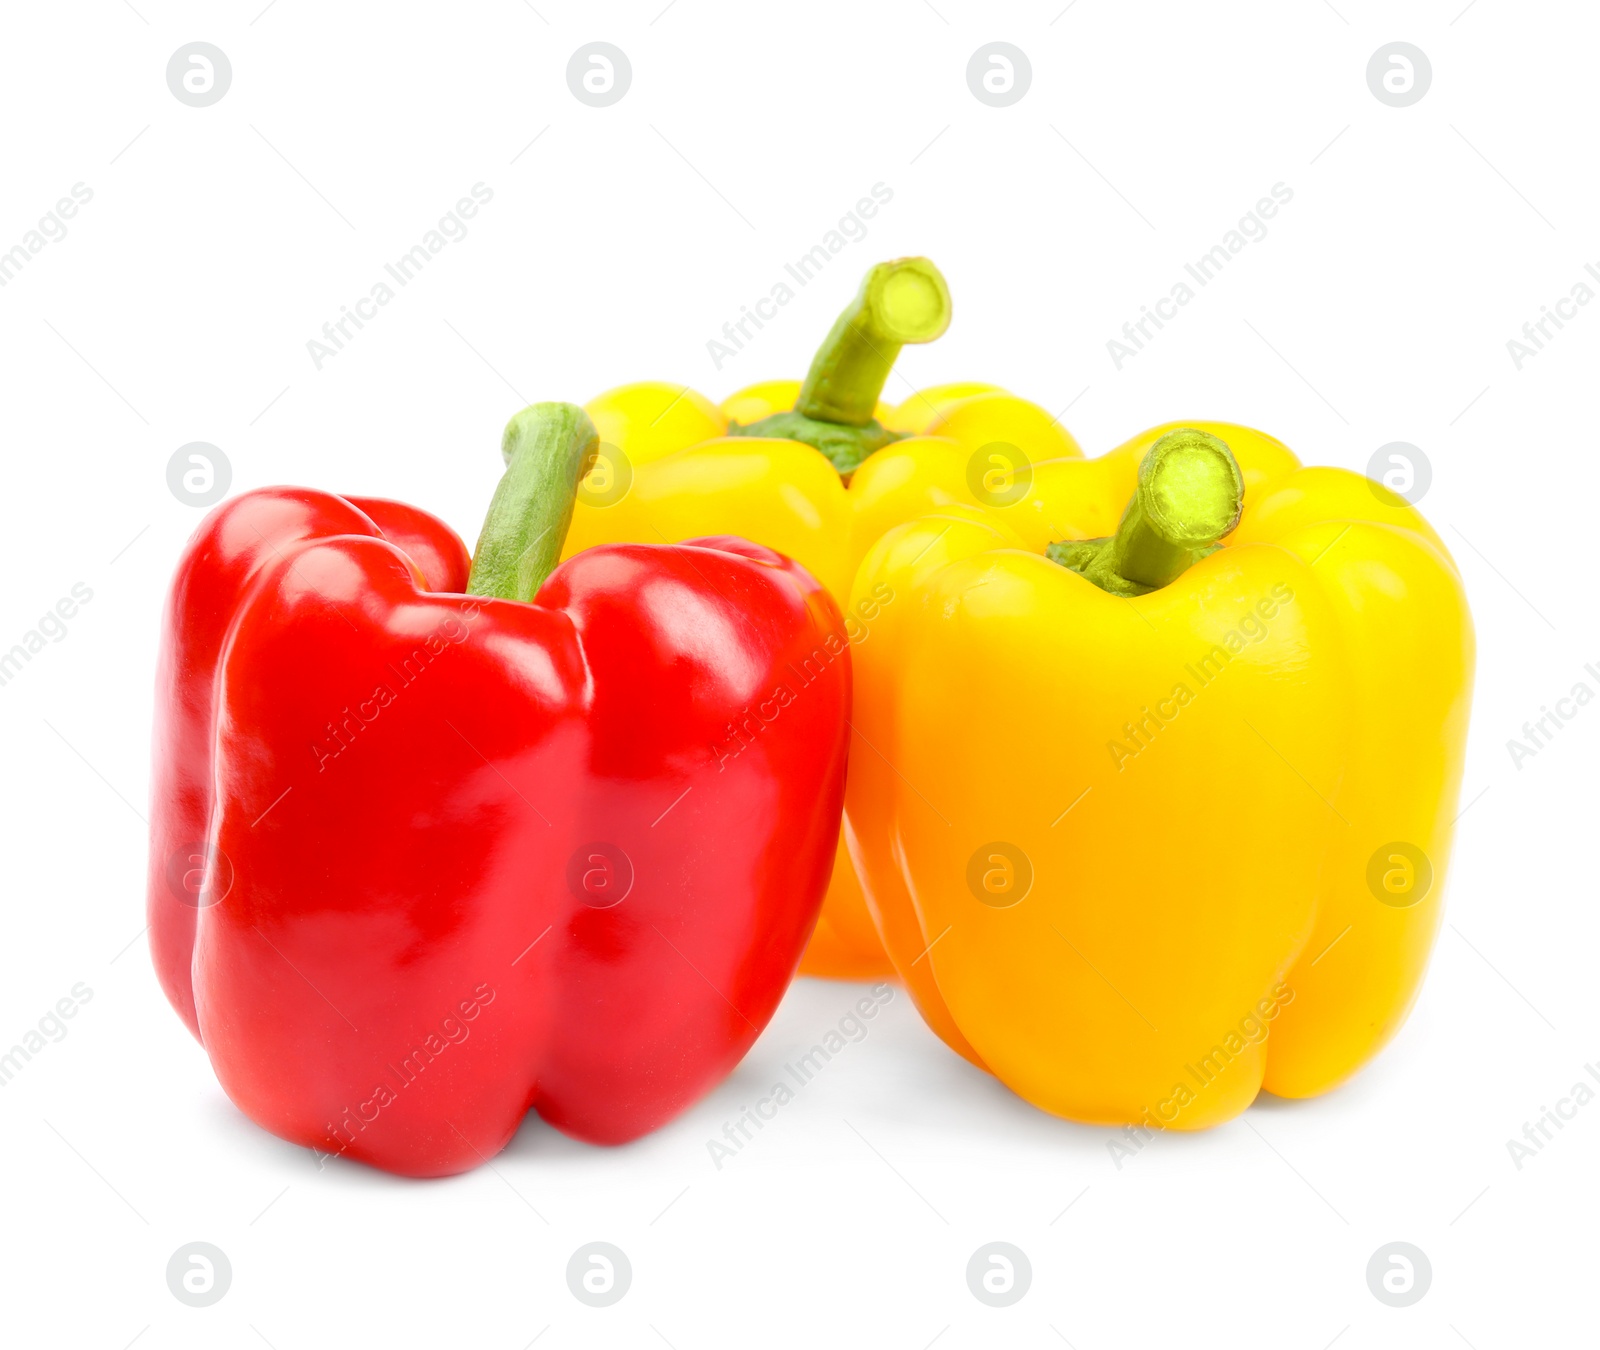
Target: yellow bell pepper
x=817, y=471
x=1150, y=822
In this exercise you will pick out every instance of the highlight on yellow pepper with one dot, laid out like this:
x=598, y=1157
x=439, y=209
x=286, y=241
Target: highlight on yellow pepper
x=816, y=469
x=1165, y=759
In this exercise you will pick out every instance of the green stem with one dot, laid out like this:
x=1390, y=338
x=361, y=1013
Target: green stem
x=899, y=302
x=547, y=449
x=1190, y=494
x=902, y=301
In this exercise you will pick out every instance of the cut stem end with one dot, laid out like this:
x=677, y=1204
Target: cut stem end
x=900, y=302
x=1189, y=496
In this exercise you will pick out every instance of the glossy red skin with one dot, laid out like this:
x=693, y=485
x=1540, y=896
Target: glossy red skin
x=408, y=877
x=224, y=556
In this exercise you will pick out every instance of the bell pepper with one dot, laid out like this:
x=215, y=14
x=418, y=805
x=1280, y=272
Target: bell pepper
x=431, y=847
x=1165, y=760
x=816, y=470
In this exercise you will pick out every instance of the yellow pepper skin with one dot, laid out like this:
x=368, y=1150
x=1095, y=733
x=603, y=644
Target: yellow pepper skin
x=653, y=418
x=686, y=476
x=1140, y=855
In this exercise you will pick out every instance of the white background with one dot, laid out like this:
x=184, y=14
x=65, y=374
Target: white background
x=1377, y=309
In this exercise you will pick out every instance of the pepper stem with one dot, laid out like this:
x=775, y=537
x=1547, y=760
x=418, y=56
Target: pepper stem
x=1190, y=494
x=905, y=300
x=548, y=448
x=899, y=302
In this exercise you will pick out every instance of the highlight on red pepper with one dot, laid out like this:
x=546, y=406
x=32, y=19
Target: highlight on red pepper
x=433, y=845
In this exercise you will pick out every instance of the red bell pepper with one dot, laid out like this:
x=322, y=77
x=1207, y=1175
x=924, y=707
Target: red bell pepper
x=428, y=851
